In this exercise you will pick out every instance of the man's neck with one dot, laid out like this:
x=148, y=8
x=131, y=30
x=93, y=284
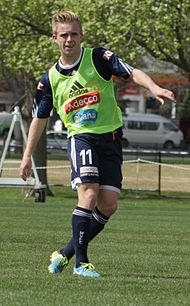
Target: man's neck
x=68, y=62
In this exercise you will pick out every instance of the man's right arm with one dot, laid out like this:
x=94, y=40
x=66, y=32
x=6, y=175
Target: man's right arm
x=35, y=131
x=43, y=104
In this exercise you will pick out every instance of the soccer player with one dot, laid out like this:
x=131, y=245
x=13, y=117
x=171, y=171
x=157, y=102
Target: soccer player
x=80, y=87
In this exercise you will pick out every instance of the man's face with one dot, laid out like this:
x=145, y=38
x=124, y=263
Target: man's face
x=68, y=38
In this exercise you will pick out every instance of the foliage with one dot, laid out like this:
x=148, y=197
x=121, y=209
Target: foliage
x=25, y=37
x=129, y=28
x=162, y=28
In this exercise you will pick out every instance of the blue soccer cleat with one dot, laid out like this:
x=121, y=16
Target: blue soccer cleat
x=58, y=262
x=86, y=270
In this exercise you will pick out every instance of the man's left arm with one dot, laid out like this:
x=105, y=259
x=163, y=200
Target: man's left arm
x=142, y=79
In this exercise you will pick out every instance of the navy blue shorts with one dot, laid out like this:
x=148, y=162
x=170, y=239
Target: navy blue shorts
x=96, y=158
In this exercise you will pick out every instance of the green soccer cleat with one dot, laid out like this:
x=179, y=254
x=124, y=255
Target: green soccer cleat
x=86, y=270
x=58, y=262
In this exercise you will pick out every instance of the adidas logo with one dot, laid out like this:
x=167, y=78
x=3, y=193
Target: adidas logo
x=77, y=89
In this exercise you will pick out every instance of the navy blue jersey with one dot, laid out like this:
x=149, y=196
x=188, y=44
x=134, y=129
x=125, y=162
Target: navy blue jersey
x=107, y=64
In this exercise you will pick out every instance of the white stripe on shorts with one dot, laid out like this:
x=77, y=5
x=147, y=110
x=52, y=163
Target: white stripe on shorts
x=109, y=187
x=73, y=153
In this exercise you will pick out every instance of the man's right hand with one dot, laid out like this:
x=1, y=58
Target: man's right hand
x=35, y=131
x=25, y=168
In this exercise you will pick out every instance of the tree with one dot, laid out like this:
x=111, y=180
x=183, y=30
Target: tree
x=157, y=27
x=25, y=32
x=129, y=28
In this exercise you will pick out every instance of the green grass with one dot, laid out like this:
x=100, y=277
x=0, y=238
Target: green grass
x=143, y=253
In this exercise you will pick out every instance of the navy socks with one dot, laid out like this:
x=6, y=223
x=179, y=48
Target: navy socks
x=81, y=223
x=93, y=223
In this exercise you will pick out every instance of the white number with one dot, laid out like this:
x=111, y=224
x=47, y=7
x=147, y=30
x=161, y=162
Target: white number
x=89, y=153
x=84, y=155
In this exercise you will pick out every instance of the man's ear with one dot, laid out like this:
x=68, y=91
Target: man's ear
x=54, y=38
x=81, y=37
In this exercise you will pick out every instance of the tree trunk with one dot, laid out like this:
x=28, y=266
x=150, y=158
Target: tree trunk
x=23, y=88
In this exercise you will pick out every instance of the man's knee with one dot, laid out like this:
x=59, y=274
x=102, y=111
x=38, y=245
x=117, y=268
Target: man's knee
x=107, y=202
x=109, y=209
x=87, y=194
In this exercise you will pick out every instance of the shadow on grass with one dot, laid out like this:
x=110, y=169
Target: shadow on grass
x=172, y=277
x=146, y=194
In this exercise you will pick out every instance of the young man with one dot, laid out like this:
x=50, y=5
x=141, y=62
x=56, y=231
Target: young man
x=80, y=87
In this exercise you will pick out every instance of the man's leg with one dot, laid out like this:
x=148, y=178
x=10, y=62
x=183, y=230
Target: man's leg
x=81, y=219
x=81, y=223
x=107, y=202
x=97, y=224
x=87, y=197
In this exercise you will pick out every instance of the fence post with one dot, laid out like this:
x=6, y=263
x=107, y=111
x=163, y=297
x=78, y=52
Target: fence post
x=159, y=172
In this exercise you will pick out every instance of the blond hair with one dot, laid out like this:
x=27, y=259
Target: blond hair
x=65, y=17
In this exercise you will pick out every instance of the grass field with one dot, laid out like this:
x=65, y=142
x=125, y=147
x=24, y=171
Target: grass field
x=143, y=253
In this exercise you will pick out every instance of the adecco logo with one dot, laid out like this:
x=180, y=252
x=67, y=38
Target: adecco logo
x=85, y=100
